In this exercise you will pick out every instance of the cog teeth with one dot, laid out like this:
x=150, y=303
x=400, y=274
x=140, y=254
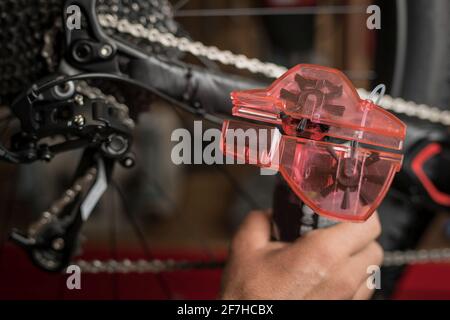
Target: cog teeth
x=304, y=83
x=288, y=95
x=335, y=92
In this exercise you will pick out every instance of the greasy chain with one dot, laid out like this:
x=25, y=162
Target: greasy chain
x=271, y=70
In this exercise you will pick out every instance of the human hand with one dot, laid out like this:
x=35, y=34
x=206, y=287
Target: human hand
x=328, y=263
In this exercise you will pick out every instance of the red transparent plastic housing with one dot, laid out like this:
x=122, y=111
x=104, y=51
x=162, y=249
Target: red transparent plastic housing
x=324, y=96
x=335, y=180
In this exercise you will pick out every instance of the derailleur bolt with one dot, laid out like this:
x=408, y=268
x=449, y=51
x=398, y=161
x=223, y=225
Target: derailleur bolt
x=79, y=100
x=106, y=51
x=79, y=120
x=128, y=161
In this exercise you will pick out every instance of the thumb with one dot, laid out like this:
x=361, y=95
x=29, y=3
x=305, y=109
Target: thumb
x=253, y=233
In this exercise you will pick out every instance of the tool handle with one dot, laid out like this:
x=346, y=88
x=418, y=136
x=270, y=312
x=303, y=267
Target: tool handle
x=291, y=217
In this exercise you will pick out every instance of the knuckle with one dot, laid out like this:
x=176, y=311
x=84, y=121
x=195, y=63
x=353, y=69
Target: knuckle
x=377, y=252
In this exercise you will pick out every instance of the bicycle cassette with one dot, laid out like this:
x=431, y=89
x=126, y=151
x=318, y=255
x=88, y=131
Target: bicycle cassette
x=337, y=152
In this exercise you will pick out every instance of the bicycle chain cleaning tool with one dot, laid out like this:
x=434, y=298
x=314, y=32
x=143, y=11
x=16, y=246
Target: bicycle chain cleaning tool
x=336, y=152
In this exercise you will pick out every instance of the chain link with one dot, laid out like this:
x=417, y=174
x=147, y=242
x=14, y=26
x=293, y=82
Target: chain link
x=399, y=258
x=143, y=266
x=411, y=109
x=95, y=93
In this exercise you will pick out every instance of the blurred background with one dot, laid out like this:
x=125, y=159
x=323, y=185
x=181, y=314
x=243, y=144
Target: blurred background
x=161, y=210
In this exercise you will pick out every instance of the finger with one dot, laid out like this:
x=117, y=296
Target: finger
x=347, y=238
x=254, y=232
x=346, y=280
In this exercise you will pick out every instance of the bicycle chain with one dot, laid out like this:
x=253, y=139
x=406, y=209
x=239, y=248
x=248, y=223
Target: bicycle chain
x=144, y=266
x=391, y=259
x=54, y=211
x=253, y=65
x=400, y=258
